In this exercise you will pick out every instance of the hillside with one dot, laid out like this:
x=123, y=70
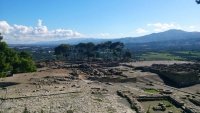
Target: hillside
x=161, y=36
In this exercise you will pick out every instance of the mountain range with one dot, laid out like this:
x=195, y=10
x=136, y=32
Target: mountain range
x=172, y=34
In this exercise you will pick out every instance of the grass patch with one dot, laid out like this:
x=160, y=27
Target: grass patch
x=192, y=55
x=131, y=71
x=195, y=53
x=98, y=99
x=151, y=90
x=41, y=111
x=99, y=93
x=173, y=108
x=111, y=110
x=72, y=95
x=154, y=55
x=119, y=76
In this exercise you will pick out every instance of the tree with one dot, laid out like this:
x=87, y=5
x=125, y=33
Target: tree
x=74, y=51
x=25, y=55
x=24, y=66
x=115, y=53
x=106, y=48
x=117, y=48
x=5, y=59
x=89, y=49
x=80, y=48
x=86, y=49
x=3, y=46
x=1, y=37
x=3, y=65
x=24, y=63
x=198, y=1
x=63, y=49
x=15, y=62
x=127, y=55
x=98, y=49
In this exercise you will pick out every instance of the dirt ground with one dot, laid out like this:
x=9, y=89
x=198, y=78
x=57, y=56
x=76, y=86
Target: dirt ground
x=52, y=87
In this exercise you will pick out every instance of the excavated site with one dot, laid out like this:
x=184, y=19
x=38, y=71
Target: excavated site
x=103, y=87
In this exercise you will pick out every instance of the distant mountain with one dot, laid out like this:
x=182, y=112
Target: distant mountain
x=73, y=41
x=176, y=44
x=162, y=36
x=154, y=37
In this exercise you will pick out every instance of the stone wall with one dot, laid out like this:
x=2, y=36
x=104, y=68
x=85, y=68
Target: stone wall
x=195, y=101
x=191, y=110
x=135, y=100
x=176, y=101
x=114, y=79
x=152, y=98
x=182, y=74
x=132, y=100
x=181, y=79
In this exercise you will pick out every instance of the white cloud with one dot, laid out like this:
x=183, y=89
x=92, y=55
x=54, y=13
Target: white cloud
x=164, y=26
x=149, y=24
x=39, y=22
x=104, y=34
x=191, y=27
x=140, y=30
x=5, y=27
x=20, y=29
x=22, y=34
x=157, y=30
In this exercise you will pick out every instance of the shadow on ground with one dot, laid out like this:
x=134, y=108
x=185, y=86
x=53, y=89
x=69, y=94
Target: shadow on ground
x=6, y=84
x=171, y=83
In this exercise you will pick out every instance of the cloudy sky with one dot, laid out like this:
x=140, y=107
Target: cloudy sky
x=29, y=21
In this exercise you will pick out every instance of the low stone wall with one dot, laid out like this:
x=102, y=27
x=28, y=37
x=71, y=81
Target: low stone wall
x=181, y=79
x=116, y=79
x=191, y=110
x=126, y=65
x=197, y=102
x=152, y=98
x=175, y=100
x=132, y=100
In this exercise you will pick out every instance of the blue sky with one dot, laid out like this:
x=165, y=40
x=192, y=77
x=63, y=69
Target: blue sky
x=27, y=21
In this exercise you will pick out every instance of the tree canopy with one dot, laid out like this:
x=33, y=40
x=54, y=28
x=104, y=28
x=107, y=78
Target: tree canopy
x=63, y=49
x=106, y=50
x=198, y=1
x=14, y=62
x=1, y=37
